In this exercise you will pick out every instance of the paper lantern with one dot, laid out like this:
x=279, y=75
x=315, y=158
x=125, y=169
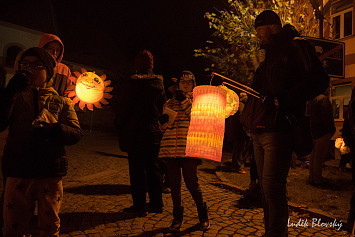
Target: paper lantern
x=232, y=101
x=206, y=131
x=90, y=89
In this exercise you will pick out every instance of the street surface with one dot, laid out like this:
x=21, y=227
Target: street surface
x=96, y=190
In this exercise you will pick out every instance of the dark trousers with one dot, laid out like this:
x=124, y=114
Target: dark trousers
x=144, y=174
x=241, y=150
x=273, y=153
x=189, y=171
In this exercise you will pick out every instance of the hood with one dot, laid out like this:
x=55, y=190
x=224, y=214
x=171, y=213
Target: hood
x=46, y=38
x=150, y=82
x=287, y=33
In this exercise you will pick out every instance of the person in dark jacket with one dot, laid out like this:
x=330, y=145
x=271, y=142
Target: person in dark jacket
x=40, y=124
x=348, y=133
x=322, y=129
x=140, y=105
x=285, y=82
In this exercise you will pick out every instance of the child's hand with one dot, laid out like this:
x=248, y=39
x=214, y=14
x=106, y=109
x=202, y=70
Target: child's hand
x=180, y=95
x=163, y=119
x=18, y=82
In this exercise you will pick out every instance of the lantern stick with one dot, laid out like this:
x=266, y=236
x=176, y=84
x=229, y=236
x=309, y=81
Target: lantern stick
x=248, y=92
x=240, y=84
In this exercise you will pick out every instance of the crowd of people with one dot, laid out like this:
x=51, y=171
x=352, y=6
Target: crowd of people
x=153, y=118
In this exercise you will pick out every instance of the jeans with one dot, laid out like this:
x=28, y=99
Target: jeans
x=273, y=153
x=144, y=171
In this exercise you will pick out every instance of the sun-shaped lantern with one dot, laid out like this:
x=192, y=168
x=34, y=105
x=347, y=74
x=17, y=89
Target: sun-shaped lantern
x=89, y=89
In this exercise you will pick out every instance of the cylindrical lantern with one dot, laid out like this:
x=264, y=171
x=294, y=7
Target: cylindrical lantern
x=206, y=131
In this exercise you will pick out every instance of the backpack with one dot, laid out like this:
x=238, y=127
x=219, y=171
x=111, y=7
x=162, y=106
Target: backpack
x=318, y=78
x=318, y=82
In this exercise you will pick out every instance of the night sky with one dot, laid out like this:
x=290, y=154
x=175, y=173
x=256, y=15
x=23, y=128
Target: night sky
x=110, y=33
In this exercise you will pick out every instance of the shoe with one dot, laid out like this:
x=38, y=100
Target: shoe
x=241, y=171
x=178, y=213
x=155, y=209
x=203, y=217
x=137, y=211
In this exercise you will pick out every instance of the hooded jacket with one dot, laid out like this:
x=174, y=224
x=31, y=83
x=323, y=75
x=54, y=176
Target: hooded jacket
x=60, y=79
x=30, y=154
x=285, y=74
x=140, y=103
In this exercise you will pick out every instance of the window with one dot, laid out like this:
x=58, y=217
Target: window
x=342, y=22
x=348, y=23
x=340, y=97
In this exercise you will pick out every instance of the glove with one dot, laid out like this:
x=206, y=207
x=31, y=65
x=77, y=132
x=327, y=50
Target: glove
x=18, y=82
x=47, y=130
x=180, y=95
x=163, y=119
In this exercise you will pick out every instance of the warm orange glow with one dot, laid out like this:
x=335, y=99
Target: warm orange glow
x=232, y=101
x=90, y=89
x=206, y=131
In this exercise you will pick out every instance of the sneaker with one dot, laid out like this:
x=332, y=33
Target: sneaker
x=137, y=211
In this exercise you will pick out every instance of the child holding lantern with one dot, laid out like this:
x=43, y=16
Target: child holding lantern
x=172, y=151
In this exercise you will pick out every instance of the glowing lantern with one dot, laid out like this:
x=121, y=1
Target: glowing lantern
x=90, y=89
x=232, y=101
x=206, y=131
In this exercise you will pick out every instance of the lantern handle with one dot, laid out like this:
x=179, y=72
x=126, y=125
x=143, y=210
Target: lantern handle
x=244, y=87
x=248, y=92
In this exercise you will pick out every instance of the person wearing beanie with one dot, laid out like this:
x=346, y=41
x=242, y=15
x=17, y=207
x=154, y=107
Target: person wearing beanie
x=55, y=47
x=34, y=161
x=140, y=104
x=172, y=152
x=290, y=75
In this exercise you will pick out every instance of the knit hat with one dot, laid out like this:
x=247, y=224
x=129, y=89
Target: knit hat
x=44, y=57
x=144, y=61
x=187, y=75
x=267, y=17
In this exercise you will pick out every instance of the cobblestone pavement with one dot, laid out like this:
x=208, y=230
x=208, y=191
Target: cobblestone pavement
x=96, y=190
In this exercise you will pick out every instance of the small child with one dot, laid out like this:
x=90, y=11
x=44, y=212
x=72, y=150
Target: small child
x=40, y=123
x=172, y=151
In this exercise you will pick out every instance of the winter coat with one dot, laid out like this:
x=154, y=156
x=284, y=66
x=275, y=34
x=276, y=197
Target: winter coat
x=61, y=78
x=30, y=154
x=321, y=116
x=286, y=75
x=173, y=143
x=140, y=103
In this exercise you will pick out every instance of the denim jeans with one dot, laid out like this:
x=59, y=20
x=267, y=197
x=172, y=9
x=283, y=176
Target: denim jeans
x=273, y=152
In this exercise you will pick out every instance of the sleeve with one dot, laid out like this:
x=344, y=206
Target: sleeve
x=6, y=102
x=313, y=78
x=71, y=132
x=187, y=105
